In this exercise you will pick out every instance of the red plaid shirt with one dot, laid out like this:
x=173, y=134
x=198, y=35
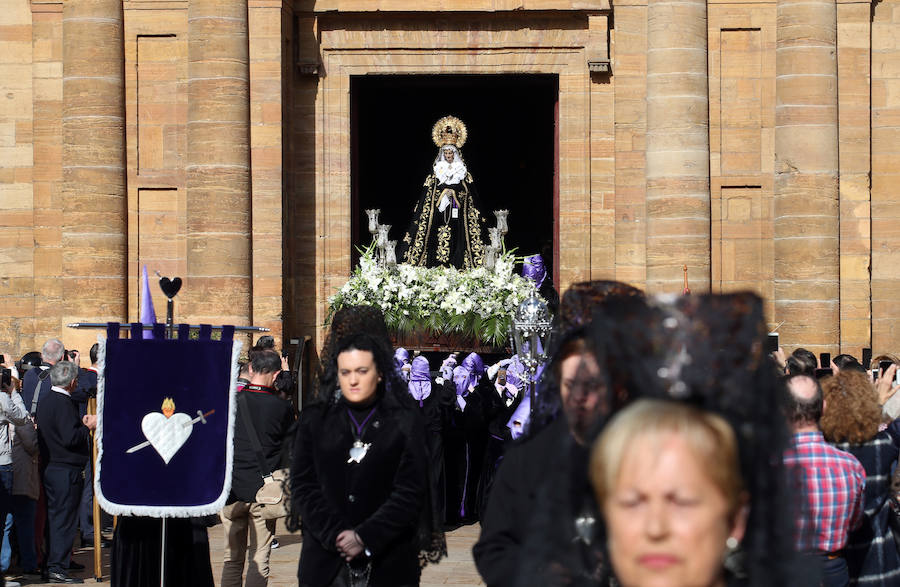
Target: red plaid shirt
x=835, y=482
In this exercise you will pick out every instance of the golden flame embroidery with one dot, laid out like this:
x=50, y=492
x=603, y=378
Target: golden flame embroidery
x=168, y=407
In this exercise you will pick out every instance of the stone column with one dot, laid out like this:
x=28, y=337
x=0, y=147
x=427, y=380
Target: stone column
x=218, y=283
x=94, y=210
x=678, y=208
x=807, y=268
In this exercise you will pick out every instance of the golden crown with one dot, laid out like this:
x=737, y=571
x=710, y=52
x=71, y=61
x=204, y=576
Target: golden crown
x=449, y=130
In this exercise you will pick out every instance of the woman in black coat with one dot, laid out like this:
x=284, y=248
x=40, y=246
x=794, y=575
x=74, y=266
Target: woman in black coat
x=359, y=476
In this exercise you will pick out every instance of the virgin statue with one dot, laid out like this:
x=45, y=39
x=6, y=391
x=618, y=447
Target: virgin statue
x=447, y=228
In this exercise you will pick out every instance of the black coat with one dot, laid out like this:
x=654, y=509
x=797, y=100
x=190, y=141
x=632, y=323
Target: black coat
x=33, y=382
x=528, y=529
x=86, y=389
x=272, y=419
x=62, y=438
x=465, y=439
x=382, y=497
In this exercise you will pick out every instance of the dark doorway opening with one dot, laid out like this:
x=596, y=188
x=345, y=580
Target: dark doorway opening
x=510, y=151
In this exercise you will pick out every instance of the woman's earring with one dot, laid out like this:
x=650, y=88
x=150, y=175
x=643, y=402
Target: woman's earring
x=732, y=543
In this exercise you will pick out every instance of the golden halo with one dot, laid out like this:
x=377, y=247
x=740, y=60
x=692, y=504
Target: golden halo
x=449, y=130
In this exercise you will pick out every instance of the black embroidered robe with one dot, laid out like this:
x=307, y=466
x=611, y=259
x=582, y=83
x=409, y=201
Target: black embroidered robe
x=441, y=238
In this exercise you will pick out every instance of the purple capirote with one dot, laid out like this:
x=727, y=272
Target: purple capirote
x=148, y=314
x=401, y=357
x=468, y=374
x=420, y=380
x=535, y=270
x=515, y=372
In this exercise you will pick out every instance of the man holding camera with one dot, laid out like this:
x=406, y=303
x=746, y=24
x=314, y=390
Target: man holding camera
x=36, y=384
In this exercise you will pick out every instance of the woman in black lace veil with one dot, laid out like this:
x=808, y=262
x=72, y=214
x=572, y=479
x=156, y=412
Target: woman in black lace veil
x=703, y=350
x=356, y=327
x=539, y=496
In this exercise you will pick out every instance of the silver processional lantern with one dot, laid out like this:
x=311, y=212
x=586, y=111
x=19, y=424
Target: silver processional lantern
x=532, y=329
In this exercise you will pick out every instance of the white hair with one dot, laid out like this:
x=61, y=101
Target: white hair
x=52, y=351
x=63, y=373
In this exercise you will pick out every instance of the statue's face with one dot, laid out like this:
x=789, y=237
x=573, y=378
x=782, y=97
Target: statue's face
x=448, y=156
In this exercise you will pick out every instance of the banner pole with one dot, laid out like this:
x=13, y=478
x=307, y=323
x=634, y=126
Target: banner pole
x=170, y=313
x=162, y=558
x=98, y=538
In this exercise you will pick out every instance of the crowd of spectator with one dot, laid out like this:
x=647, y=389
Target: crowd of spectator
x=635, y=466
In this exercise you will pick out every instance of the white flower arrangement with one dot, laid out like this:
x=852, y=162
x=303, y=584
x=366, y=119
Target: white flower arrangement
x=476, y=303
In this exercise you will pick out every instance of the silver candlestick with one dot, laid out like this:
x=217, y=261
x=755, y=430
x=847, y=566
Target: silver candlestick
x=502, y=222
x=390, y=254
x=373, y=220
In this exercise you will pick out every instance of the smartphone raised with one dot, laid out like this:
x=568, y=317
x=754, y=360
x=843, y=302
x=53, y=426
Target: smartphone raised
x=883, y=366
x=866, y=357
x=820, y=373
x=771, y=342
x=6, y=378
x=825, y=360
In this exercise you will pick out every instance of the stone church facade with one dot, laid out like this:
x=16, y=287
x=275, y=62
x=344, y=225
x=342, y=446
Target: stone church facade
x=756, y=142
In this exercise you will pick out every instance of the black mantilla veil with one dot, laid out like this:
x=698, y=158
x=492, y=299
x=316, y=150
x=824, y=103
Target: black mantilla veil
x=576, y=311
x=563, y=544
x=706, y=350
x=365, y=326
x=348, y=320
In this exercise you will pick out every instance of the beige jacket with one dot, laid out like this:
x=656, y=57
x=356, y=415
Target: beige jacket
x=25, y=461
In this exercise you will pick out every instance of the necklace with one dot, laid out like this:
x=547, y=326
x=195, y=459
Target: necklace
x=359, y=449
x=360, y=577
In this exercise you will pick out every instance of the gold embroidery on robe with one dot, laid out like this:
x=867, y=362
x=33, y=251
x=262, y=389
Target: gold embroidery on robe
x=442, y=255
x=476, y=246
x=417, y=254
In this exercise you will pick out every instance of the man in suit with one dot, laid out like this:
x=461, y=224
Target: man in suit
x=64, y=440
x=51, y=353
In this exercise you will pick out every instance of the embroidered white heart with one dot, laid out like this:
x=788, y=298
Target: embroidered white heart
x=167, y=435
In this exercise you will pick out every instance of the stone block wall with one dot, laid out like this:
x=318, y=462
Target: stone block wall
x=302, y=54
x=885, y=195
x=17, y=193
